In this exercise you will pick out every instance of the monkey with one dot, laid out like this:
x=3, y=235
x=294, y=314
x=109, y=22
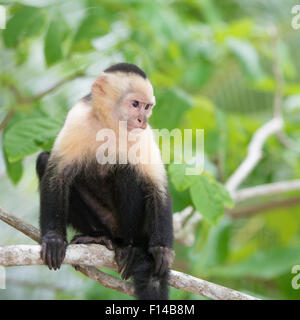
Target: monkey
x=124, y=205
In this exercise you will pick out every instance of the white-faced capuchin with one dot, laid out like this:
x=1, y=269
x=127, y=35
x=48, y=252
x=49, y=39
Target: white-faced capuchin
x=124, y=205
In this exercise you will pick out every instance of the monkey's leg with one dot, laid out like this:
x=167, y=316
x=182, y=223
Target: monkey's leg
x=85, y=239
x=159, y=220
x=125, y=259
x=130, y=204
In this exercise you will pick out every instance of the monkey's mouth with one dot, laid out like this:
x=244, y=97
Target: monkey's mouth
x=139, y=125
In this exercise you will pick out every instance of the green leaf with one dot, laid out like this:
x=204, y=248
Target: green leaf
x=180, y=200
x=35, y=24
x=25, y=136
x=179, y=178
x=93, y=25
x=14, y=169
x=25, y=22
x=247, y=56
x=216, y=247
x=53, y=43
x=206, y=198
x=224, y=195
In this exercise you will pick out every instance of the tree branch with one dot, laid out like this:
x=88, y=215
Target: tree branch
x=90, y=257
x=19, y=224
x=55, y=86
x=98, y=256
x=267, y=189
x=185, y=223
x=22, y=100
x=254, y=153
x=6, y=119
x=262, y=207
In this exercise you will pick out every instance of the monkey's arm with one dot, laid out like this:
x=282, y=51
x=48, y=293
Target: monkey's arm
x=54, y=193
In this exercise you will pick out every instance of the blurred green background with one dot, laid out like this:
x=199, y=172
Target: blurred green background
x=212, y=67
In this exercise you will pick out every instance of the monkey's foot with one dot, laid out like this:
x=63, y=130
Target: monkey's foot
x=80, y=239
x=124, y=257
x=163, y=258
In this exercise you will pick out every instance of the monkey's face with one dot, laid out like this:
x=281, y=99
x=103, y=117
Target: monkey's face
x=137, y=111
x=124, y=97
x=136, y=103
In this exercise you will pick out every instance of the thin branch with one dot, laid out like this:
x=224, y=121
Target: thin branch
x=93, y=256
x=282, y=137
x=207, y=289
x=7, y=118
x=277, y=73
x=254, y=153
x=22, y=100
x=19, y=224
x=15, y=91
x=185, y=223
x=263, y=207
x=98, y=256
x=286, y=141
x=267, y=189
x=55, y=86
x=107, y=280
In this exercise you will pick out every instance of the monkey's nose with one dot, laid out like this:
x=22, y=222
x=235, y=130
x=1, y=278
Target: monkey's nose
x=141, y=123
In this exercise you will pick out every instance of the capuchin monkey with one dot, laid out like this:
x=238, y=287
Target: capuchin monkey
x=124, y=205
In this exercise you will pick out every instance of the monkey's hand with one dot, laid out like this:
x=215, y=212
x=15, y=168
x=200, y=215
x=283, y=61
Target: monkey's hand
x=163, y=258
x=53, y=249
x=124, y=257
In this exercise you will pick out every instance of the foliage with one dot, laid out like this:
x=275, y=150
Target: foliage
x=211, y=66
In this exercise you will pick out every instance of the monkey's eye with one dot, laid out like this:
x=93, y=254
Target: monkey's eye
x=135, y=103
x=147, y=106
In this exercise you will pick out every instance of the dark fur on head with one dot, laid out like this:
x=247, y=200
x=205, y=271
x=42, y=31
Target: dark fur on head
x=126, y=68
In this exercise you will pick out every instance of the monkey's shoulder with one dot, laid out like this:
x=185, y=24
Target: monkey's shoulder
x=77, y=138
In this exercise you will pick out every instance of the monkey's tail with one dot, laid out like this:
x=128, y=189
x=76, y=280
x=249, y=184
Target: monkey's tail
x=147, y=286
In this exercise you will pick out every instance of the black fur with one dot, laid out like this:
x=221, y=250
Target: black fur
x=117, y=204
x=126, y=68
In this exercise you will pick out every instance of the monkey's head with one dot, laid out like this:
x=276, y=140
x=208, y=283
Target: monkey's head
x=124, y=93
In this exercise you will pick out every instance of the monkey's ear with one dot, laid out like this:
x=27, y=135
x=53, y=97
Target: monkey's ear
x=100, y=85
